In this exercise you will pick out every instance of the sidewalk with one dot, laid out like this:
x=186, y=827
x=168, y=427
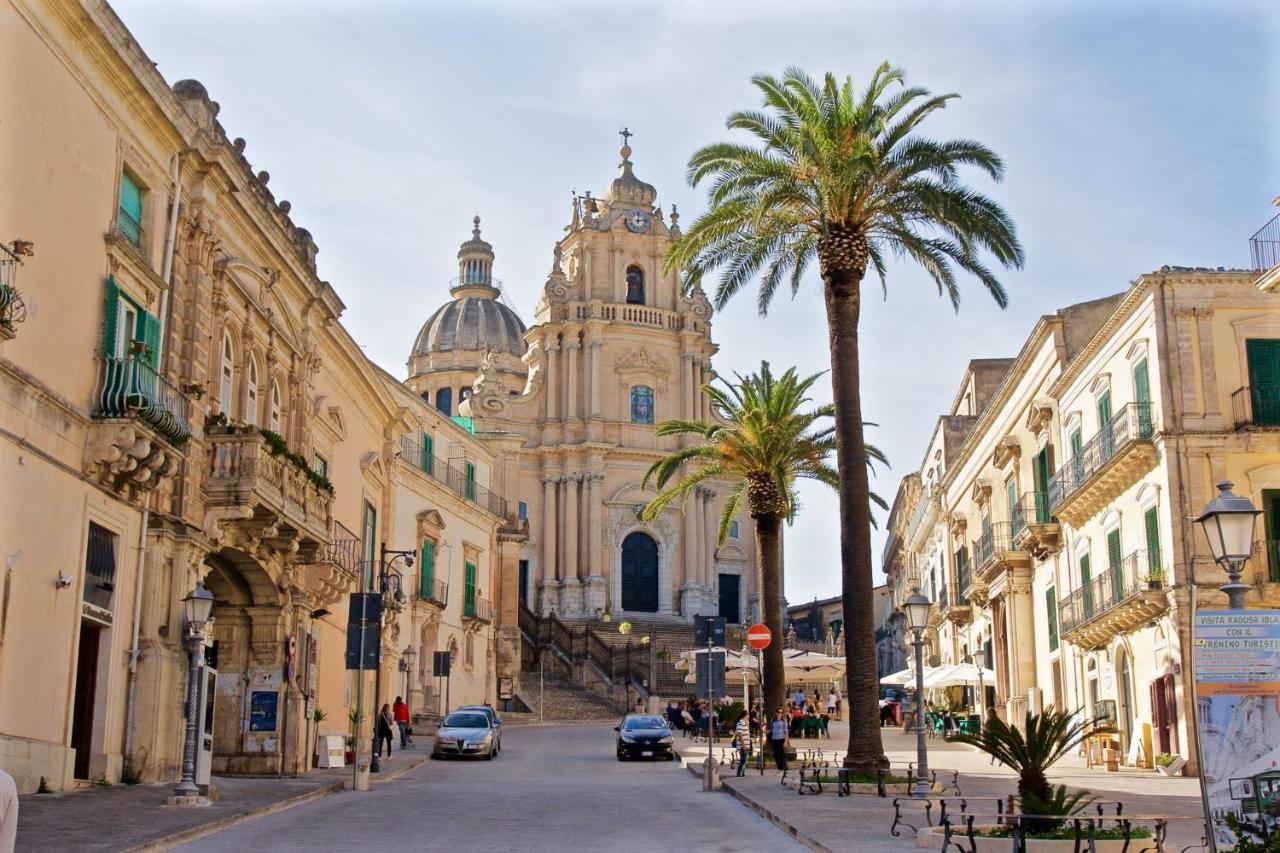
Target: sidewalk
x=137, y=817
x=860, y=823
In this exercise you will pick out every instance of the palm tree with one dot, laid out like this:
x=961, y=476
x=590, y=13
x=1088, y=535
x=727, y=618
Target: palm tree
x=764, y=444
x=843, y=178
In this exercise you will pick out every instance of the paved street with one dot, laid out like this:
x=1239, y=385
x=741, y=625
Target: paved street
x=553, y=788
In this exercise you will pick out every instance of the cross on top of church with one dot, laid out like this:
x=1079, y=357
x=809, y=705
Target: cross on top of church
x=626, y=135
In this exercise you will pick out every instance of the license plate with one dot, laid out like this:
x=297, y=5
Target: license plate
x=647, y=752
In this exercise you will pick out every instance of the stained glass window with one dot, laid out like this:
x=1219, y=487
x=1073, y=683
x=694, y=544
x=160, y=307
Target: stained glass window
x=641, y=404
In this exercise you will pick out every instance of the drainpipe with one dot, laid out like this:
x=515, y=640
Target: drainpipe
x=166, y=272
x=130, y=684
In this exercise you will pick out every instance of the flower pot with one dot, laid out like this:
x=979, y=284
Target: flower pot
x=931, y=839
x=351, y=756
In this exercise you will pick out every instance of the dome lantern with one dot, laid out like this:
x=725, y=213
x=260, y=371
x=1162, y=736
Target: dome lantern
x=475, y=266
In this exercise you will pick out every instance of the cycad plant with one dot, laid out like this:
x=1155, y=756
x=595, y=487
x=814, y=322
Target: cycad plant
x=843, y=178
x=1049, y=736
x=765, y=439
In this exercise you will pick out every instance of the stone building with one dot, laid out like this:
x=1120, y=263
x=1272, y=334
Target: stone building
x=1053, y=523
x=179, y=403
x=570, y=405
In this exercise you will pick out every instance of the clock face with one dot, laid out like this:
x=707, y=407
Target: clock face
x=638, y=221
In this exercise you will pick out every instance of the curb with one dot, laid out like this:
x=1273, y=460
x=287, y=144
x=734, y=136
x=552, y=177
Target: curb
x=399, y=771
x=197, y=832
x=764, y=812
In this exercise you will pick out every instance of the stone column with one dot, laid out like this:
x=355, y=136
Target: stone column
x=571, y=378
x=593, y=408
x=594, y=510
x=548, y=539
x=709, y=544
x=1022, y=647
x=704, y=402
x=552, y=383
x=571, y=483
x=689, y=560
x=690, y=387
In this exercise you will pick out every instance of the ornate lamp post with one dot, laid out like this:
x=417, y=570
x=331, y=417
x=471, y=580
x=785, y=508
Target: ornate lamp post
x=406, y=663
x=916, y=609
x=1227, y=522
x=980, y=661
x=386, y=580
x=196, y=607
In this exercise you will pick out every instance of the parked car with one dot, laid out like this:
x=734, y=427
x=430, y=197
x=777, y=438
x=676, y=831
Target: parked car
x=466, y=733
x=494, y=719
x=644, y=735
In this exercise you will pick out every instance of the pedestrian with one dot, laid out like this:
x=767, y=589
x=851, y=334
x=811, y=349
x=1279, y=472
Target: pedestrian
x=686, y=717
x=383, y=730
x=799, y=697
x=742, y=740
x=779, y=736
x=8, y=813
x=832, y=702
x=639, y=705
x=836, y=691
x=401, y=713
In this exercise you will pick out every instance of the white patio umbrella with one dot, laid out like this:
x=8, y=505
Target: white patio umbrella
x=902, y=677
x=961, y=674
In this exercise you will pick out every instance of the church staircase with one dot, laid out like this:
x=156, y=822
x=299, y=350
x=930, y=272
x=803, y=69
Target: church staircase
x=560, y=700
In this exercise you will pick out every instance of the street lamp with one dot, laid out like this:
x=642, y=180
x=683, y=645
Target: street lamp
x=1227, y=522
x=980, y=661
x=196, y=607
x=385, y=579
x=916, y=609
x=406, y=663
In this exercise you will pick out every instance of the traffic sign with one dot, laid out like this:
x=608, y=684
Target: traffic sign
x=759, y=636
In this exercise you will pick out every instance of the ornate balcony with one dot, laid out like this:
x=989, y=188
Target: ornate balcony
x=1256, y=407
x=1115, y=602
x=141, y=424
x=336, y=567
x=453, y=478
x=1109, y=463
x=274, y=500
x=953, y=607
x=994, y=551
x=12, y=309
x=1034, y=529
x=477, y=609
x=433, y=591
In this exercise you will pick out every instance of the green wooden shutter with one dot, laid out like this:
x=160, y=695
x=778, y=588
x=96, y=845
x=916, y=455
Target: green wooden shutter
x=1104, y=409
x=469, y=601
x=150, y=327
x=129, y=220
x=1113, y=565
x=471, y=481
x=428, y=453
x=1040, y=477
x=1271, y=505
x=1141, y=383
x=1051, y=608
x=1077, y=443
x=1011, y=492
x=1152, y=524
x=110, y=317
x=1264, y=380
x=427, y=573
x=1086, y=584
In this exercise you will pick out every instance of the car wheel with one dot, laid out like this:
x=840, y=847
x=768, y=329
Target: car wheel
x=621, y=757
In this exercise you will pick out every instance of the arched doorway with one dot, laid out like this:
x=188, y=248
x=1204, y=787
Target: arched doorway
x=640, y=573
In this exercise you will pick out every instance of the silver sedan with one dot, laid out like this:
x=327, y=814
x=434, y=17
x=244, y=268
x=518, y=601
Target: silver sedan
x=465, y=733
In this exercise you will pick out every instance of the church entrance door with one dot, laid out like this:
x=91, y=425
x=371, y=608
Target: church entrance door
x=640, y=573
x=729, y=599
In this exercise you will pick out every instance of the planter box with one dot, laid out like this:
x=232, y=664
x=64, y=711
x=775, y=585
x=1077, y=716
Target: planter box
x=891, y=789
x=931, y=839
x=1173, y=768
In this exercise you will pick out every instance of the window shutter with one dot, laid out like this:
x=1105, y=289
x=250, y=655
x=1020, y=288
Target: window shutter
x=110, y=318
x=129, y=220
x=469, y=602
x=1104, y=410
x=1011, y=491
x=151, y=337
x=1152, y=524
x=471, y=481
x=428, y=453
x=1051, y=608
x=1077, y=443
x=1113, y=550
x=1264, y=380
x=1086, y=584
x=1141, y=383
x=428, y=570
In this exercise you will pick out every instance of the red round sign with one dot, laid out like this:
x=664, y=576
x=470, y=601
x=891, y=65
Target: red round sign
x=758, y=636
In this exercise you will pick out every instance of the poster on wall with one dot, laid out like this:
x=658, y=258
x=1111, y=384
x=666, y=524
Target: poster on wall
x=262, y=710
x=1237, y=680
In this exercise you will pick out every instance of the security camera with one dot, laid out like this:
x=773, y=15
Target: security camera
x=63, y=581
x=408, y=561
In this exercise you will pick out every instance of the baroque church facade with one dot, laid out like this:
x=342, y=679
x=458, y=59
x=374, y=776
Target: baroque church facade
x=570, y=404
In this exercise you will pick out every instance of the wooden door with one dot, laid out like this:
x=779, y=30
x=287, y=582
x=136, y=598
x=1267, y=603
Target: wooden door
x=82, y=710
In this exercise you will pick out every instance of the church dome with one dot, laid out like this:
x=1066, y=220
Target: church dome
x=474, y=320
x=627, y=188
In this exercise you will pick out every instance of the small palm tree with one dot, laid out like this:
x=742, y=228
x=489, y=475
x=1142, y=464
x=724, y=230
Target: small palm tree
x=841, y=178
x=1049, y=736
x=764, y=444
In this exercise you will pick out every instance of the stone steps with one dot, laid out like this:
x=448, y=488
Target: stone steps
x=562, y=702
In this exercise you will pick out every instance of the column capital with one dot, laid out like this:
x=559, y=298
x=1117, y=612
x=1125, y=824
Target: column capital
x=572, y=345
x=595, y=343
x=549, y=481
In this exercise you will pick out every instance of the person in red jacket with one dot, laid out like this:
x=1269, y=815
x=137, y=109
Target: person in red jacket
x=401, y=712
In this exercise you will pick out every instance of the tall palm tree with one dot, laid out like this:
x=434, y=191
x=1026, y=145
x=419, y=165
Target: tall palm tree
x=764, y=444
x=844, y=178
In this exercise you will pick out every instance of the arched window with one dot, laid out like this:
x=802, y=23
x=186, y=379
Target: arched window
x=635, y=285
x=639, y=573
x=444, y=401
x=274, y=420
x=641, y=404
x=251, y=393
x=224, y=374
x=463, y=393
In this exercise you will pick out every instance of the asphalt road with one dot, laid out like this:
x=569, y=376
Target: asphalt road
x=554, y=788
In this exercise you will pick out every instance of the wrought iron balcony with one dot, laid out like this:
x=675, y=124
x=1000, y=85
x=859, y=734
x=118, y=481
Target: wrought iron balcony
x=478, y=609
x=1256, y=406
x=281, y=502
x=994, y=550
x=455, y=479
x=433, y=590
x=1119, y=600
x=923, y=508
x=12, y=309
x=1110, y=462
x=335, y=569
x=952, y=605
x=1034, y=527
x=128, y=387
x=1264, y=246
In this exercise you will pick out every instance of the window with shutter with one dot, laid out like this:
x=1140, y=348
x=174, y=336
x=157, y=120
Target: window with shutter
x=129, y=216
x=427, y=570
x=1151, y=522
x=1086, y=585
x=1264, y=380
x=469, y=600
x=1114, y=567
x=1271, y=508
x=224, y=375
x=428, y=453
x=471, y=480
x=1142, y=396
x=1051, y=610
x=251, y=393
x=1108, y=443
x=1011, y=495
x=274, y=421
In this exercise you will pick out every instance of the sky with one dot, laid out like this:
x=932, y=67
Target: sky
x=1134, y=135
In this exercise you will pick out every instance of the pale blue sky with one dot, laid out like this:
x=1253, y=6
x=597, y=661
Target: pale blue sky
x=1134, y=135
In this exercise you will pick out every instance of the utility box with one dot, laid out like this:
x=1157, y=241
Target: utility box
x=331, y=751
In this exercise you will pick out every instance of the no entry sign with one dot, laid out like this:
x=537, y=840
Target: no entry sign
x=758, y=636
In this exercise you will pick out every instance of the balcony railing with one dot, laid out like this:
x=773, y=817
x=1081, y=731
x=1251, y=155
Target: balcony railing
x=1256, y=406
x=1134, y=576
x=917, y=517
x=1031, y=508
x=343, y=551
x=964, y=578
x=1133, y=423
x=477, y=608
x=1264, y=247
x=411, y=451
x=1266, y=561
x=129, y=387
x=129, y=227
x=12, y=309
x=434, y=590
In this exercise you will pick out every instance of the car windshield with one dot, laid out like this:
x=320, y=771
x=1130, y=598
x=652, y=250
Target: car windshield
x=467, y=721
x=488, y=712
x=644, y=723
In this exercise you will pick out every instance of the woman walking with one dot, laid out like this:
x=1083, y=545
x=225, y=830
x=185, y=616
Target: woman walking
x=779, y=737
x=385, y=724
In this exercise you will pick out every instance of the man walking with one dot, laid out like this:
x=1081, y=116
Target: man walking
x=742, y=740
x=401, y=712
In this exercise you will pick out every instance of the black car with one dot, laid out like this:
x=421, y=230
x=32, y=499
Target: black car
x=644, y=736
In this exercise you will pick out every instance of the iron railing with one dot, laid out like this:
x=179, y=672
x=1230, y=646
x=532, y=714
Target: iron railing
x=433, y=589
x=1256, y=406
x=1264, y=247
x=1031, y=508
x=129, y=387
x=964, y=576
x=1133, y=423
x=412, y=452
x=1109, y=590
x=343, y=550
x=994, y=541
x=478, y=608
x=12, y=309
x=129, y=227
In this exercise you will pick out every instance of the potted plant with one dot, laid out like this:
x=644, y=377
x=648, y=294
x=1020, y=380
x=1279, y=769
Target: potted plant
x=318, y=716
x=1155, y=579
x=355, y=718
x=1170, y=765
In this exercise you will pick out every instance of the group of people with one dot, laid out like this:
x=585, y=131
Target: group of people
x=390, y=718
x=692, y=718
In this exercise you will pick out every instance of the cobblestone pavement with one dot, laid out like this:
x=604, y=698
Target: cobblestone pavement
x=552, y=789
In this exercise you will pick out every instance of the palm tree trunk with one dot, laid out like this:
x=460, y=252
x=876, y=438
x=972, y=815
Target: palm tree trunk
x=866, y=752
x=769, y=551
